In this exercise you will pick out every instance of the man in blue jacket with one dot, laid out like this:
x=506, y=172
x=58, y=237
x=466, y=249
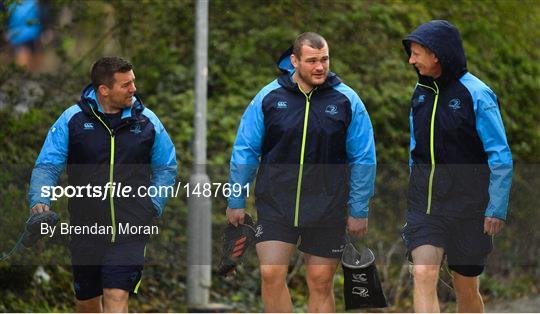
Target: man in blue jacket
x=310, y=137
x=23, y=31
x=461, y=168
x=108, y=139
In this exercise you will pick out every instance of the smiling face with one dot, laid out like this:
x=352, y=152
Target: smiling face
x=311, y=67
x=425, y=61
x=120, y=95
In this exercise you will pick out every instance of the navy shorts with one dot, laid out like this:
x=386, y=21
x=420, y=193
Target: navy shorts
x=318, y=241
x=107, y=266
x=465, y=244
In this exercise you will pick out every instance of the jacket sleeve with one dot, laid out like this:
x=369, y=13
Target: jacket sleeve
x=51, y=160
x=412, y=143
x=247, y=150
x=362, y=159
x=490, y=128
x=163, y=164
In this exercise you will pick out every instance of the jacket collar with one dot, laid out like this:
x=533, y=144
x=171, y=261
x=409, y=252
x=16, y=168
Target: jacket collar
x=89, y=102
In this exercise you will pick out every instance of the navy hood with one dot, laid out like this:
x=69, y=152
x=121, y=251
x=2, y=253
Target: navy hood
x=443, y=39
x=287, y=69
x=284, y=62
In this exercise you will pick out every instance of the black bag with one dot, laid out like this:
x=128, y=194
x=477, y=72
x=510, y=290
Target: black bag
x=362, y=288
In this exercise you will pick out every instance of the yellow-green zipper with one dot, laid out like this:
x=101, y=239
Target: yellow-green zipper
x=136, y=290
x=301, y=169
x=111, y=176
x=432, y=145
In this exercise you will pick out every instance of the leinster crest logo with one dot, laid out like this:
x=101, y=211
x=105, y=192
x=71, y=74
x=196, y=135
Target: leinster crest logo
x=331, y=110
x=455, y=104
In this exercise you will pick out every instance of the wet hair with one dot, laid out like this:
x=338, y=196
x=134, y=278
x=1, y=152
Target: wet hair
x=103, y=70
x=311, y=39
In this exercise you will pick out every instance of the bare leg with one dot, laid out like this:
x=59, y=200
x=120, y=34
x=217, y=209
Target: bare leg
x=89, y=306
x=320, y=279
x=23, y=56
x=427, y=262
x=468, y=296
x=115, y=300
x=274, y=259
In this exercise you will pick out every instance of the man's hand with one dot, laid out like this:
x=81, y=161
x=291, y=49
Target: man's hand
x=492, y=225
x=235, y=216
x=39, y=208
x=357, y=226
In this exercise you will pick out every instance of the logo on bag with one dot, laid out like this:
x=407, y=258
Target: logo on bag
x=359, y=278
x=361, y=291
x=331, y=110
x=88, y=126
x=455, y=104
x=282, y=104
x=258, y=231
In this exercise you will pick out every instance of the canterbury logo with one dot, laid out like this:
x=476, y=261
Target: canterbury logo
x=88, y=126
x=282, y=104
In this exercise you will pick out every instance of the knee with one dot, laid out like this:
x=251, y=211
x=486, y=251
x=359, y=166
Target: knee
x=320, y=282
x=272, y=275
x=426, y=274
x=115, y=295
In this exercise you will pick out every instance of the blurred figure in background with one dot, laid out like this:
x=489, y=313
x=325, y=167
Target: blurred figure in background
x=23, y=32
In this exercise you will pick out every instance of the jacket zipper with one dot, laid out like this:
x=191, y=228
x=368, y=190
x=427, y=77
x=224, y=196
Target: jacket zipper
x=301, y=169
x=432, y=146
x=111, y=176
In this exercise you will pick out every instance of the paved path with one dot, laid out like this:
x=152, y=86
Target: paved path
x=527, y=304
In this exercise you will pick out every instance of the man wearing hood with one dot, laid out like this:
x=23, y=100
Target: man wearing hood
x=108, y=139
x=310, y=137
x=461, y=168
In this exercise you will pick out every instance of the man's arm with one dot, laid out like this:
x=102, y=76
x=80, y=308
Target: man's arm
x=362, y=163
x=162, y=163
x=246, y=152
x=50, y=162
x=490, y=128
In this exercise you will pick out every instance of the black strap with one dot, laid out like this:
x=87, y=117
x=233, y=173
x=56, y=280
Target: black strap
x=14, y=249
x=355, y=239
